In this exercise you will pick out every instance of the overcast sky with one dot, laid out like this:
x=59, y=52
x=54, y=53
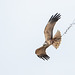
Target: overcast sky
x=22, y=23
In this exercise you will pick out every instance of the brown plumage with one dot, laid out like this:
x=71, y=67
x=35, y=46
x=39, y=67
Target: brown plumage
x=49, y=39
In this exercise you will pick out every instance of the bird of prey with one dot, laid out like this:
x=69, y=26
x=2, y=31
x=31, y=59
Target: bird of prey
x=49, y=39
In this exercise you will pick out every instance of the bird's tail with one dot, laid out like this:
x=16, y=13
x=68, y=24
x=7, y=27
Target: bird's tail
x=57, y=39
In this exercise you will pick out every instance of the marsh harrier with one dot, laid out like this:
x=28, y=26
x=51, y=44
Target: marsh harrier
x=49, y=39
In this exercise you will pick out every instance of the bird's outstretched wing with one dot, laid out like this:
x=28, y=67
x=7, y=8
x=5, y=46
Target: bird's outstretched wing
x=41, y=52
x=48, y=32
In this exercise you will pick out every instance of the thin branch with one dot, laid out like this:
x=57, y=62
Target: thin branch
x=69, y=27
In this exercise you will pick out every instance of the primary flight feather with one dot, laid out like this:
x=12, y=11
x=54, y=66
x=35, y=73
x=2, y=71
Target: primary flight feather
x=49, y=39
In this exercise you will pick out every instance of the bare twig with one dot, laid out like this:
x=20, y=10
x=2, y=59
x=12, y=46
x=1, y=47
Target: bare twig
x=69, y=27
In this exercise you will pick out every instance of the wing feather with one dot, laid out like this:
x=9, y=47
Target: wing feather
x=41, y=52
x=48, y=32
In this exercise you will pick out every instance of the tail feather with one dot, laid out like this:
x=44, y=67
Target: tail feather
x=57, y=39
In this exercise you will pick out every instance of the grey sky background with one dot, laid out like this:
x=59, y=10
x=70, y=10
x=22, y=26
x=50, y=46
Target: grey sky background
x=22, y=23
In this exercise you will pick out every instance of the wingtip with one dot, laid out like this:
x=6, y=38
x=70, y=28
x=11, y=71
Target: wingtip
x=55, y=17
x=44, y=57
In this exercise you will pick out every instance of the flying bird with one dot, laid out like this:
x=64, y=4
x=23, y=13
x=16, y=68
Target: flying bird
x=49, y=39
